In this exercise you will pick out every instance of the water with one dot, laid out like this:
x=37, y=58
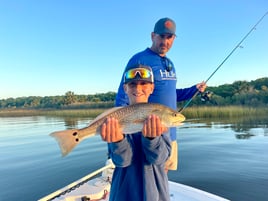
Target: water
x=222, y=157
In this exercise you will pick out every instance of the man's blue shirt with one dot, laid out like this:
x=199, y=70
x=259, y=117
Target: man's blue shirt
x=165, y=81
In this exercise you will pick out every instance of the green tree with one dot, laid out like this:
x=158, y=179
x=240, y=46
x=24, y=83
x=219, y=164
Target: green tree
x=69, y=98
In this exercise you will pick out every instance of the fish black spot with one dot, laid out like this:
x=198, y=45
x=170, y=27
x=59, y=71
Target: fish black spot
x=77, y=139
x=75, y=133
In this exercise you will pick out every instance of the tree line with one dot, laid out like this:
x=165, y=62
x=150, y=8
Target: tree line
x=70, y=100
x=253, y=93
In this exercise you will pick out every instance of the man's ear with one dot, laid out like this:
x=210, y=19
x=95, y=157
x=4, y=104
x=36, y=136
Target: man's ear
x=125, y=88
x=152, y=36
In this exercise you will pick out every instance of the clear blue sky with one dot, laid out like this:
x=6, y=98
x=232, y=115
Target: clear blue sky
x=49, y=47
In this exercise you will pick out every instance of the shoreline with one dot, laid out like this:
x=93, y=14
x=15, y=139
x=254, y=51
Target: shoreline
x=191, y=112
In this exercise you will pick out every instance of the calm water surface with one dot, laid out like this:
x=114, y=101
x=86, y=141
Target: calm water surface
x=221, y=157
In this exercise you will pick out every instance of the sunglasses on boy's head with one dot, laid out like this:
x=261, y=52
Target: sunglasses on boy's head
x=142, y=72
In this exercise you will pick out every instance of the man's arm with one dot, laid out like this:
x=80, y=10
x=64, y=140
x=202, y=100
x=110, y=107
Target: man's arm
x=187, y=93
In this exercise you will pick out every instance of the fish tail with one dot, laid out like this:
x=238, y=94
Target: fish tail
x=67, y=140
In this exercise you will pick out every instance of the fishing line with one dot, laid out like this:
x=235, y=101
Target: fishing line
x=237, y=46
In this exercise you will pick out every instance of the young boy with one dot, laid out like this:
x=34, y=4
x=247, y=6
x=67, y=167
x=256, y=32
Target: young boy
x=139, y=158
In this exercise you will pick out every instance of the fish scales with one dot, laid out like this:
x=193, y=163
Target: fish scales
x=119, y=114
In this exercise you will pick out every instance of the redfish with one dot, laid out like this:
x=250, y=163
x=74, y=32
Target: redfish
x=130, y=118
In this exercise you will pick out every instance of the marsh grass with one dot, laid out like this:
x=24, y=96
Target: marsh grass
x=53, y=113
x=191, y=112
x=224, y=112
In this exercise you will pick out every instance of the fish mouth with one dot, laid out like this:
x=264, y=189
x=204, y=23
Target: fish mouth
x=177, y=123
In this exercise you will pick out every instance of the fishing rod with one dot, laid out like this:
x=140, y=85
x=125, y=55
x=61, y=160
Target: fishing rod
x=234, y=49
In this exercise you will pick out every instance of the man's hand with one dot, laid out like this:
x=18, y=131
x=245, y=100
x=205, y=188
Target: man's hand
x=201, y=87
x=111, y=131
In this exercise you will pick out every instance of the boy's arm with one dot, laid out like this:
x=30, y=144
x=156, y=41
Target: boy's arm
x=121, y=153
x=156, y=145
x=120, y=149
x=157, y=150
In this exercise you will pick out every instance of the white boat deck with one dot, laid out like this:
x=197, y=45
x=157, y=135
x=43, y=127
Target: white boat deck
x=97, y=189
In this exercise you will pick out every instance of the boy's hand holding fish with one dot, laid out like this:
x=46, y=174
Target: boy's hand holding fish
x=153, y=127
x=111, y=131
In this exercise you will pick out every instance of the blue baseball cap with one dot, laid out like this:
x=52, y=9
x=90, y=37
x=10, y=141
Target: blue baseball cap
x=165, y=26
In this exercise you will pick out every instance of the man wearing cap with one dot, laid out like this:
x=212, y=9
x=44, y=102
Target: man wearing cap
x=165, y=79
x=140, y=157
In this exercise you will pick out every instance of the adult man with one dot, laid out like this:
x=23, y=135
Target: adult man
x=165, y=79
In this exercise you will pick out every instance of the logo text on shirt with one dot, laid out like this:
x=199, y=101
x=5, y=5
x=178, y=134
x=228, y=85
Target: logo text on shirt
x=167, y=75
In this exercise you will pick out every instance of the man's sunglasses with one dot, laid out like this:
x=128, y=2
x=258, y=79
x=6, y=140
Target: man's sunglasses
x=167, y=63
